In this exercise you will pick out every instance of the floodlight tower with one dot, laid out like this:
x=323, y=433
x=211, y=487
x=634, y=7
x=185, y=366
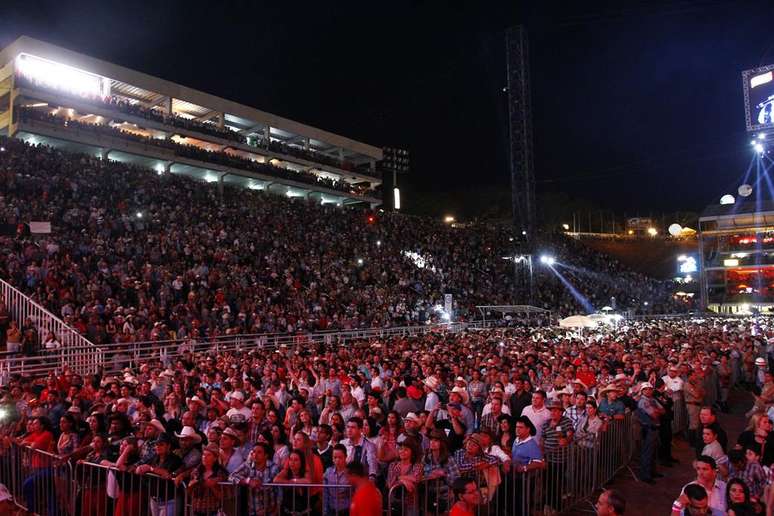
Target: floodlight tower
x=520, y=152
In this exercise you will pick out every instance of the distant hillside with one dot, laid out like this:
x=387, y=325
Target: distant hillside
x=655, y=257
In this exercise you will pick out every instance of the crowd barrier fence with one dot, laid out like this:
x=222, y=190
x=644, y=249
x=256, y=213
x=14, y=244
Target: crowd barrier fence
x=571, y=475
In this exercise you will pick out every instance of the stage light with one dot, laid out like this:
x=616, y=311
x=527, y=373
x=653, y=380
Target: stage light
x=448, y=219
x=566, y=227
x=360, y=261
x=727, y=199
x=378, y=243
x=139, y=214
x=547, y=260
x=2, y=149
x=652, y=232
x=396, y=198
x=761, y=136
x=758, y=148
x=630, y=232
x=675, y=229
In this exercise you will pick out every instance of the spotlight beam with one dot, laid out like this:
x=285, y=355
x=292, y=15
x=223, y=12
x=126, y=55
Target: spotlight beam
x=575, y=293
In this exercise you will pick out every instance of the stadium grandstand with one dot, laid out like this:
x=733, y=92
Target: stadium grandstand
x=66, y=100
x=203, y=311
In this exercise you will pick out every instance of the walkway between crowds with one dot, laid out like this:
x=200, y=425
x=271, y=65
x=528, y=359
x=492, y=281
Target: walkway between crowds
x=642, y=498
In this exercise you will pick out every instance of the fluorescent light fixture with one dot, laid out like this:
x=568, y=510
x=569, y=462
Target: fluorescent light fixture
x=760, y=79
x=730, y=262
x=62, y=77
x=396, y=198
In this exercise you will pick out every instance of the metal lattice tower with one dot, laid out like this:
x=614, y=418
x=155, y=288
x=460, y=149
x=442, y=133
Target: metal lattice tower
x=521, y=159
x=520, y=122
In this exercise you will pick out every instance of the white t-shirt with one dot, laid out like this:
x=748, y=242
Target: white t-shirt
x=538, y=417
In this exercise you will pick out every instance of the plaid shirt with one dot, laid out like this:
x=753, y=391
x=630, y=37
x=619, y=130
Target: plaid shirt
x=575, y=414
x=467, y=464
x=755, y=477
x=262, y=500
x=451, y=468
x=489, y=422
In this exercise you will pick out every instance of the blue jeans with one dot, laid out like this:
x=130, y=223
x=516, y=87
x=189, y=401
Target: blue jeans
x=39, y=486
x=648, y=452
x=162, y=508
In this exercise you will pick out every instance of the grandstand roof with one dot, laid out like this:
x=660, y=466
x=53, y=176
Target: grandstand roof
x=738, y=208
x=193, y=103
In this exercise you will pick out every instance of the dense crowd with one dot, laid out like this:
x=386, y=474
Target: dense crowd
x=157, y=114
x=194, y=152
x=135, y=256
x=387, y=413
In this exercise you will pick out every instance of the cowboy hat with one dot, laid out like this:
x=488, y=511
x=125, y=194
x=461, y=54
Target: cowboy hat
x=188, y=431
x=463, y=394
x=233, y=434
x=432, y=383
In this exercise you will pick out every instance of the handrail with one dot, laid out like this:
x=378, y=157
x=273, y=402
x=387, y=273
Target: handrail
x=166, y=350
x=75, y=349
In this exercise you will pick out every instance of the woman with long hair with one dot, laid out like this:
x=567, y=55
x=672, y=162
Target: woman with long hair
x=759, y=432
x=505, y=432
x=281, y=444
x=441, y=471
x=68, y=438
x=295, y=500
x=206, y=494
x=403, y=477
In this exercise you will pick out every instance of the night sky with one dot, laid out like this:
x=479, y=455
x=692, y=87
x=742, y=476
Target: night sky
x=636, y=106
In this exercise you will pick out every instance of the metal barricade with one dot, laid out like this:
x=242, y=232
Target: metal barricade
x=254, y=498
x=680, y=421
x=38, y=480
x=572, y=475
x=103, y=490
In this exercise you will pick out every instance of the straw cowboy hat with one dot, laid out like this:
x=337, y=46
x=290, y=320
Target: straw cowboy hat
x=463, y=394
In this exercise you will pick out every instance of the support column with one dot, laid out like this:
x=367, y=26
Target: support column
x=267, y=134
x=168, y=106
x=341, y=154
x=221, y=120
x=306, y=144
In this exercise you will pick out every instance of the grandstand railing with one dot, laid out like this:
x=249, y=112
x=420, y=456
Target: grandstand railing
x=80, y=354
x=115, y=357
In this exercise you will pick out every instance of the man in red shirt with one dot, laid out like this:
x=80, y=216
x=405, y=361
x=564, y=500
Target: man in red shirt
x=367, y=501
x=468, y=497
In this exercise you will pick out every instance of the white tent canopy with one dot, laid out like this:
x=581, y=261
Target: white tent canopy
x=577, y=321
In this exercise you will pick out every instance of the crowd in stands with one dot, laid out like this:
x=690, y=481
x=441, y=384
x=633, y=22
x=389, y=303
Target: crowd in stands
x=135, y=256
x=194, y=152
x=157, y=114
x=387, y=413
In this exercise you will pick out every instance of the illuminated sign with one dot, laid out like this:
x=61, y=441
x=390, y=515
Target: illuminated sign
x=62, y=77
x=686, y=264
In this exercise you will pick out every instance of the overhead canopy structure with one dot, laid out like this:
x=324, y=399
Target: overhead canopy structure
x=577, y=321
x=511, y=309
